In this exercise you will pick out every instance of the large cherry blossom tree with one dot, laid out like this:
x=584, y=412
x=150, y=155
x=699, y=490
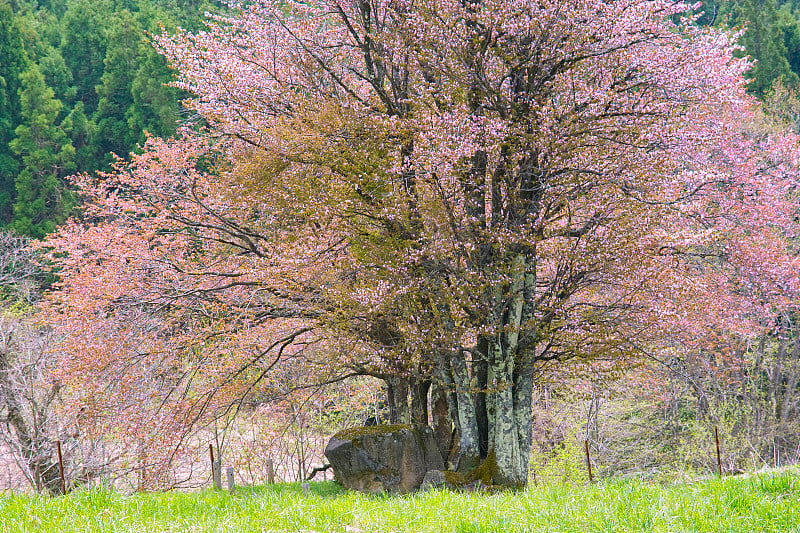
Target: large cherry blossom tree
x=457, y=193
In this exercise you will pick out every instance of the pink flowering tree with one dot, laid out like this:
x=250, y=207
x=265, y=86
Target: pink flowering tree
x=448, y=194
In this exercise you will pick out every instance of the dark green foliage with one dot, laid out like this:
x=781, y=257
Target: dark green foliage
x=155, y=108
x=713, y=12
x=56, y=74
x=13, y=62
x=772, y=38
x=83, y=47
x=80, y=131
x=765, y=42
x=133, y=94
x=125, y=46
x=789, y=26
x=98, y=86
x=47, y=156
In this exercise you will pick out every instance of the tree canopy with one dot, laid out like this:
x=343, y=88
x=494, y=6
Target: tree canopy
x=445, y=194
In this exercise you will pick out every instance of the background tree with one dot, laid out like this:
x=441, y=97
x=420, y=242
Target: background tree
x=125, y=44
x=32, y=415
x=89, y=55
x=766, y=41
x=28, y=397
x=27, y=391
x=12, y=63
x=83, y=47
x=155, y=106
x=47, y=154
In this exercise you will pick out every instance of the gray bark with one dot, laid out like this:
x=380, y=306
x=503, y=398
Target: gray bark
x=511, y=387
x=398, y=400
x=467, y=420
x=441, y=416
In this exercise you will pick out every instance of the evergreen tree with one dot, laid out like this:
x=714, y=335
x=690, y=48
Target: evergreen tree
x=156, y=106
x=108, y=84
x=13, y=62
x=125, y=47
x=47, y=156
x=790, y=28
x=56, y=74
x=713, y=12
x=764, y=42
x=83, y=47
x=80, y=131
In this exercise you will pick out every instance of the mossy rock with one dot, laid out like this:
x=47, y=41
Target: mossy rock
x=455, y=478
x=383, y=458
x=355, y=433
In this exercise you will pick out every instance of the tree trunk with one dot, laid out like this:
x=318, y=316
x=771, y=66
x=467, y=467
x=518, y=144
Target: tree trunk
x=511, y=384
x=469, y=456
x=481, y=367
x=33, y=446
x=510, y=424
x=419, y=400
x=523, y=412
x=397, y=397
x=441, y=421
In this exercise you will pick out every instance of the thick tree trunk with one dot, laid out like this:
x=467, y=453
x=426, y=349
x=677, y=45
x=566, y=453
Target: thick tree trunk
x=397, y=397
x=442, y=411
x=481, y=367
x=455, y=439
x=511, y=384
x=419, y=400
x=469, y=457
x=523, y=409
x=441, y=421
x=510, y=438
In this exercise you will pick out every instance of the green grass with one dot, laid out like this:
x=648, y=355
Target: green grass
x=768, y=502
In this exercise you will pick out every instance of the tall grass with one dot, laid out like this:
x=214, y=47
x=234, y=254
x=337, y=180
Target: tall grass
x=767, y=502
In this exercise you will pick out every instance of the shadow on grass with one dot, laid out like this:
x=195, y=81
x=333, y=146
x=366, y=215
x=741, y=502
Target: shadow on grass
x=320, y=489
x=324, y=489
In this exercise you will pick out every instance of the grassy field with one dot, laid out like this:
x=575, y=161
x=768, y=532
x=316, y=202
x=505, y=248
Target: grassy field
x=766, y=502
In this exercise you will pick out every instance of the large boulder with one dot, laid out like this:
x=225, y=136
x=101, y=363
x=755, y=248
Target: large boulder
x=436, y=479
x=383, y=458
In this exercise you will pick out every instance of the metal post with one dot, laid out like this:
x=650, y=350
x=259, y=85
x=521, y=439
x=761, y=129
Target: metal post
x=719, y=456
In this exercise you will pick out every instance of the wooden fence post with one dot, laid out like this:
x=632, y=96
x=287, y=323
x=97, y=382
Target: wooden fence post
x=216, y=469
x=61, y=468
x=588, y=460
